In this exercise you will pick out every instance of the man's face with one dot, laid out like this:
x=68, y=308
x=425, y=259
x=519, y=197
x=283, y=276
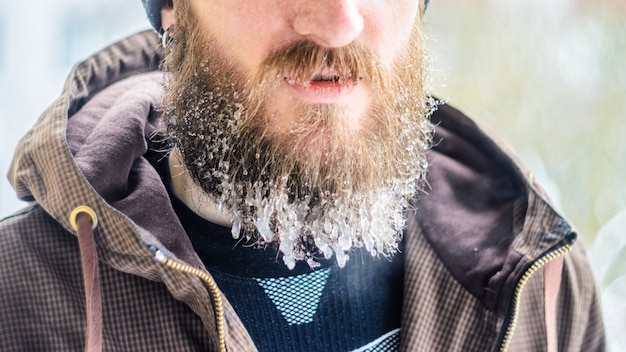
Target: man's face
x=306, y=120
x=248, y=32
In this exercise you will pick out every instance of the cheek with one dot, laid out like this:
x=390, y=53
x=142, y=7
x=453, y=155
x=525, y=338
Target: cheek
x=389, y=26
x=280, y=112
x=244, y=33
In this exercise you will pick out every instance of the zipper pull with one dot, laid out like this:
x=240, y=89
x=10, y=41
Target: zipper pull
x=157, y=253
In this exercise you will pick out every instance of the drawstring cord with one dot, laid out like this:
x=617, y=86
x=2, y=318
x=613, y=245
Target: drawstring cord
x=84, y=221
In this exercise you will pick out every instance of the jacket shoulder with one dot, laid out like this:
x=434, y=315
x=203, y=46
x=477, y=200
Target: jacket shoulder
x=40, y=271
x=32, y=244
x=30, y=229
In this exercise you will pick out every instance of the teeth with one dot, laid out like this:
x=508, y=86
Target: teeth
x=319, y=77
x=325, y=79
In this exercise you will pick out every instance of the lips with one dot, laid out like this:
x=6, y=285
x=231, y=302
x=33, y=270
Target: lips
x=325, y=86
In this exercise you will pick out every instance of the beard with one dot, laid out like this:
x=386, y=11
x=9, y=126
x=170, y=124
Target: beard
x=320, y=187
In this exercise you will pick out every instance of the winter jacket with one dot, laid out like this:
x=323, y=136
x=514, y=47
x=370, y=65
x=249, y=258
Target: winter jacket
x=99, y=260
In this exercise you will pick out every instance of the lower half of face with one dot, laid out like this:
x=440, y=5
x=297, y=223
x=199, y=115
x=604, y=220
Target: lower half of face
x=316, y=119
x=318, y=152
x=318, y=101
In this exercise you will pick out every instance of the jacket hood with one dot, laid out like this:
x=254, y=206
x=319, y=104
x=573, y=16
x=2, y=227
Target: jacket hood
x=87, y=148
x=484, y=215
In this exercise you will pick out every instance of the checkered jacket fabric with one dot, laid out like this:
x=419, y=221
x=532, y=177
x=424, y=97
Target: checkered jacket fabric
x=462, y=267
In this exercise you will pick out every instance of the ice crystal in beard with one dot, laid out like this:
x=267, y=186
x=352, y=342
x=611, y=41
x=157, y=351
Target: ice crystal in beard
x=309, y=210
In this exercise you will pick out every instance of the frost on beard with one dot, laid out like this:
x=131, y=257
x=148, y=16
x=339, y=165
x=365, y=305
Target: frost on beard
x=332, y=226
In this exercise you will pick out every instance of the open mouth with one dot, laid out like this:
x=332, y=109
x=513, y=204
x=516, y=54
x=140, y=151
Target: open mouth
x=324, y=86
x=330, y=78
x=324, y=77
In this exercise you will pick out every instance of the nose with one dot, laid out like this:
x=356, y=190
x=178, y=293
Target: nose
x=330, y=23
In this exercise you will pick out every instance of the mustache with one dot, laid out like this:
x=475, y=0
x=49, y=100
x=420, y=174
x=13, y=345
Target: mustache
x=305, y=61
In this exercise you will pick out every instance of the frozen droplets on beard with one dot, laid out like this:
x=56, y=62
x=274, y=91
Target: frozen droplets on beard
x=311, y=227
x=332, y=225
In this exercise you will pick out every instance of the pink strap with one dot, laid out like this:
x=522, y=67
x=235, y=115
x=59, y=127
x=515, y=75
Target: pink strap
x=93, y=298
x=552, y=282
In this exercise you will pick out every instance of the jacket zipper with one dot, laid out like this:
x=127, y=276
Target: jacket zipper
x=538, y=264
x=210, y=283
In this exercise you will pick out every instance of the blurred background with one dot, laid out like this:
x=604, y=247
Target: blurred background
x=547, y=76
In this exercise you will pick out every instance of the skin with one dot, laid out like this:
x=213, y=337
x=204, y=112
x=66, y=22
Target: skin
x=248, y=34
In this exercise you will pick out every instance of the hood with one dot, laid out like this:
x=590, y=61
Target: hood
x=87, y=150
x=483, y=213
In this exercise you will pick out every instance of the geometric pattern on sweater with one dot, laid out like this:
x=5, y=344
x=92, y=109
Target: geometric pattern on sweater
x=296, y=297
x=389, y=342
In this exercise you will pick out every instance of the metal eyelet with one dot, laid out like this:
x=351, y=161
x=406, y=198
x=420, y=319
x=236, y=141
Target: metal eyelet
x=83, y=209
